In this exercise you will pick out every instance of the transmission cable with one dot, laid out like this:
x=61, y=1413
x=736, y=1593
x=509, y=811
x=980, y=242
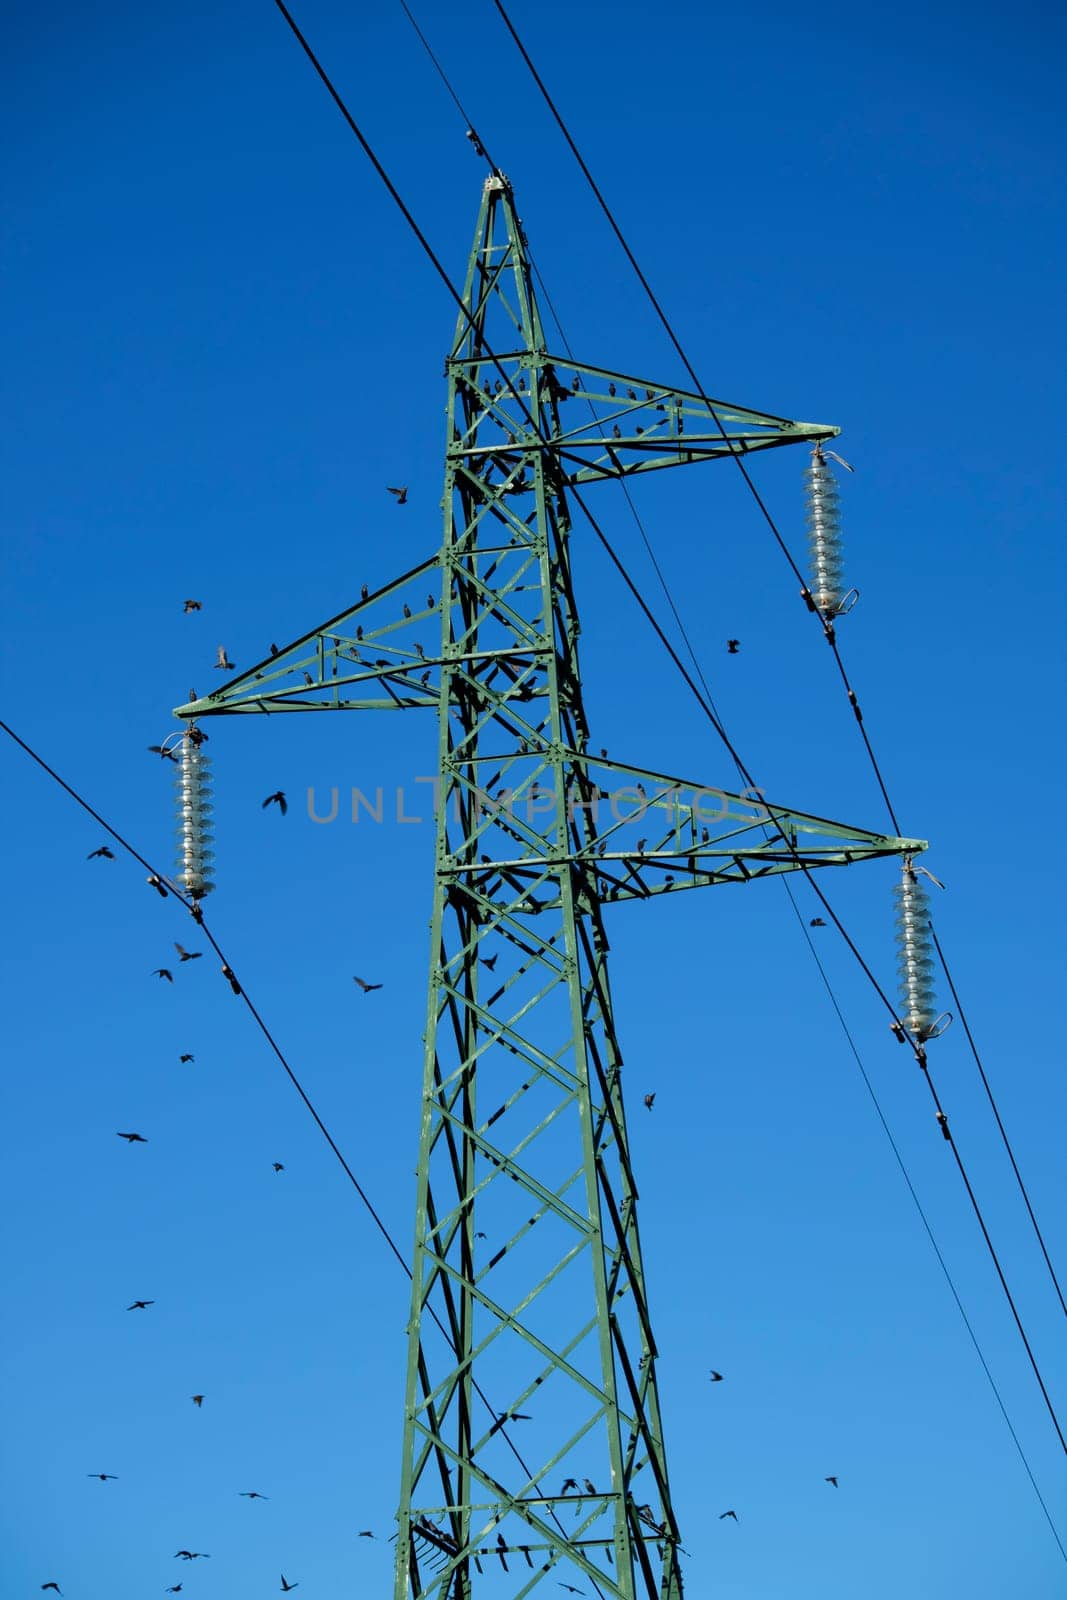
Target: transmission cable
x=917, y=1047
x=196, y=913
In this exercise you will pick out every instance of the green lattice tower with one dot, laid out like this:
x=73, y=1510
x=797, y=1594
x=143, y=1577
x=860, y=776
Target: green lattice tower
x=533, y=1449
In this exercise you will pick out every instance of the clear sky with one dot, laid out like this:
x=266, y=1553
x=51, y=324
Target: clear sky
x=221, y=344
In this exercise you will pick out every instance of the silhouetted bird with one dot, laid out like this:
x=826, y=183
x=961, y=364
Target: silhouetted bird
x=490, y=962
x=273, y=649
x=287, y=1586
x=252, y=1494
x=407, y=609
x=476, y=144
x=650, y=1100
x=430, y=601
x=942, y=1122
x=197, y=1400
x=140, y=1305
x=724, y=1514
x=191, y=1555
x=103, y=1476
x=132, y=1138
x=501, y=1550
x=401, y=494
x=175, y=1588
x=368, y=988
x=587, y=1485
x=277, y=1166
x=569, y=1483
x=365, y=1533
x=54, y=1586
x=161, y=750
x=816, y=922
x=309, y=680
x=191, y=605
x=186, y=1057
x=276, y=799
x=716, y=1377
x=156, y=883
x=732, y=646
x=364, y=592
x=187, y=955
x=104, y=851
x=222, y=660
x=831, y=1479
x=163, y=972
x=228, y=974
x=616, y=431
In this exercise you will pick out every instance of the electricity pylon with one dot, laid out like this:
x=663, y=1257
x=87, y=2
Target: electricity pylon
x=533, y=1449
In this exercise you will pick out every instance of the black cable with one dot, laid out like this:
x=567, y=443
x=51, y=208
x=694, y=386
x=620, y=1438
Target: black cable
x=457, y=297
x=735, y=453
x=989, y=1092
x=196, y=913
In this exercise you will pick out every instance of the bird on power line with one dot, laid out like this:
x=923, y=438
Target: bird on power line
x=732, y=646
x=103, y=1476
x=252, y=1494
x=650, y=1100
x=569, y=1483
x=368, y=988
x=942, y=1122
x=156, y=882
x=140, y=1305
x=104, y=851
x=187, y=955
x=716, y=1377
x=132, y=1138
x=273, y=648
x=831, y=1479
x=276, y=799
x=163, y=972
x=401, y=494
x=725, y=1514
x=191, y=605
x=228, y=974
x=476, y=144
x=817, y=922
x=222, y=660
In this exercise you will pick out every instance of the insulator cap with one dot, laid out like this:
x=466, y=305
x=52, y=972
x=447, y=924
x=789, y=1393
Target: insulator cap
x=823, y=517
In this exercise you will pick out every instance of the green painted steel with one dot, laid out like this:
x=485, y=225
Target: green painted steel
x=533, y=1449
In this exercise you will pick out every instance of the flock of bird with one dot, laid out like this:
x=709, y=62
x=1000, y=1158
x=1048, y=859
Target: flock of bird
x=165, y=974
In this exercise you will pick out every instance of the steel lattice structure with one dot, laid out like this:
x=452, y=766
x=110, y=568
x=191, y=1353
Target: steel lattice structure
x=533, y=1447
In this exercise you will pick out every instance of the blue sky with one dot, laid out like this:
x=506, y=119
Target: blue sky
x=222, y=344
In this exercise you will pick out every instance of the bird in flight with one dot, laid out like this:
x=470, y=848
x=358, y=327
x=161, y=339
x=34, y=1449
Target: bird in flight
x=365, y=1533
x=164, y=972
x=401, y=494
x=490, y=962
x=831, y=1480
x=817, y=922
x=287, y=1586
x=103, y=1476
x=716, y=1377
x=650, y=1100
x=276, y=799
x=569, y=1483
x=252, y=1494
x=191, y=1555
x=140, y=1305
x=222, y=660
x=54, y=1586
x=188, y=1056
x=732, y=646
x=104, y=851
x=191, y=605
x=197, y=1400
x=187, y=955
x=161, y=750
x=724, y=1514
x=132, y=1138
x=367, y=988
x=278, y=1167
x=508, y=1416
x=175, y=1588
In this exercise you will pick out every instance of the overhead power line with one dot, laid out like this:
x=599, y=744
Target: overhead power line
x=442, y=273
